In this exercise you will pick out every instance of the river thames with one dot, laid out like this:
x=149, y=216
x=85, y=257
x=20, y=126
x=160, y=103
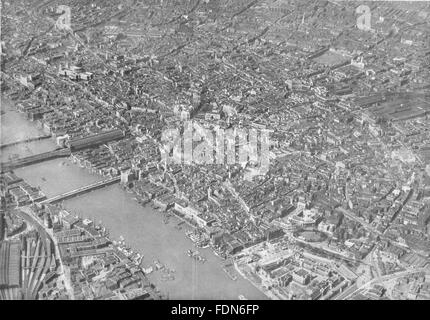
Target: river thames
x=142, y=227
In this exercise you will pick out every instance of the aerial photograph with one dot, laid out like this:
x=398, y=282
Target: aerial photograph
x=189, y=150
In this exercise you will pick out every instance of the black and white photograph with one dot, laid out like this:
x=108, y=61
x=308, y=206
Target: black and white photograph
x=243, y=151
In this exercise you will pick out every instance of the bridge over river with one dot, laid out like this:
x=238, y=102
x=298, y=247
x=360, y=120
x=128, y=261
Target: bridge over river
x=22, y=162
x=10, y=144
x=81, y=190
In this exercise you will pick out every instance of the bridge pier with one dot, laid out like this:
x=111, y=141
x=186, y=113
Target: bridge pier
x=10, y=144
x=81, y=190
x=23, y=162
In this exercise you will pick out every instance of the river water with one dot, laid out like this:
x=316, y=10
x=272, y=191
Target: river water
x=142, y=227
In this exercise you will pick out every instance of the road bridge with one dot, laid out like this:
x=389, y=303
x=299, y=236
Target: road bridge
x=81, y=190
x=14, y=143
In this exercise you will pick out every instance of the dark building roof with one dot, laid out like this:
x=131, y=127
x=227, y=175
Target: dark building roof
x=97, y=139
